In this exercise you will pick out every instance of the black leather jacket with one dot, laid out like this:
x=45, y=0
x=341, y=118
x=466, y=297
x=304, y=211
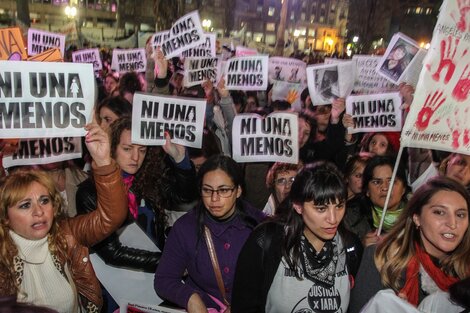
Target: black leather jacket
x=181, y=189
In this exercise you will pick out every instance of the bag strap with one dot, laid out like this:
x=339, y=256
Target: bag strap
x=215, y=263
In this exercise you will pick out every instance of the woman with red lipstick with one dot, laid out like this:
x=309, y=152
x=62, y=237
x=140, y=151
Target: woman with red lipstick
x=304, y=261
x=426, y=251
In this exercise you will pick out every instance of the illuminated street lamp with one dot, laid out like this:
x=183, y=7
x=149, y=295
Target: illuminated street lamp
x=71, y=11
x=355, y=39
x=206, y=24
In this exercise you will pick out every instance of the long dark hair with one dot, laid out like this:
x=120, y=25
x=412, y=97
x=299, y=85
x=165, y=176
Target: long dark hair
x=321, y=183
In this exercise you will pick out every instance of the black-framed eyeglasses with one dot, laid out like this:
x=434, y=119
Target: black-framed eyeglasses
x=285, y=181
x=223, y=192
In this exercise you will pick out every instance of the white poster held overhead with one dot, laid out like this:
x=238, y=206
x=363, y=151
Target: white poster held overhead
x=40, y=41
x=329, y=82
x=198, y=70
x=182, y=118
x=414, y=69
x=247, y=73
x=265, y=139
x=40, y=100
x=128, y=60
x=44, y=151
x=287, y=69
x=439, y=116
x=289, y=92
x=376, y=112
x=397, y=58
x=158, y=39
x=88, y=56
x=367, y=80
x=185, y=33
x=206, y=49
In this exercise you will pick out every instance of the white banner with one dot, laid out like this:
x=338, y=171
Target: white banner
x=206, y=49
x=273, y=138
x=39, y=100
x=88, y=56
x=44, y=151
x=40, y=41
x=287, y=70
x=186, y=33
x=198, y=70
x=367, y=80
x=128, y=60
x=247, y=73
x=439, y=116
x=376, y=112
x=153, y=115
x=329, y=82
x=397, y=58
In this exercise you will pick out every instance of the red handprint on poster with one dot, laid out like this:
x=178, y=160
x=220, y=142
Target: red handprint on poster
x=462, y=88
x=427, y=111
x=464, y=8
x=448, y=51
x=459, y=129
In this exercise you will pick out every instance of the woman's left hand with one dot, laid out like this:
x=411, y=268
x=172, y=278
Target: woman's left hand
x=97, y=142
x=175, y=151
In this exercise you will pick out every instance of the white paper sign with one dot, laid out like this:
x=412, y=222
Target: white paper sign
x=288, y=91
x=329, y=82
x=439, y=116
x=288, y=70
x=186, y=33
x=88, y=56
x=247, y=73
x=40, y=41
x=40, y=100
x=133, y=307
x=44, y=151
x=198, y=70
x=265, y=139
x=376, y=112
x=241, y=51
x=153, y=115
x=398, y=56
x=128, y=60
x=206, y=49
x=367, y=80
x=158, y=38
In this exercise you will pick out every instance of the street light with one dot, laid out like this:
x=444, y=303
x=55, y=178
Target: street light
x=71, y=11
x=206, y=24
x=355, y=39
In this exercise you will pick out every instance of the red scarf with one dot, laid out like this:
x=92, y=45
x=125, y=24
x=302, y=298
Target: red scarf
x=128, y=180
x=411, y=288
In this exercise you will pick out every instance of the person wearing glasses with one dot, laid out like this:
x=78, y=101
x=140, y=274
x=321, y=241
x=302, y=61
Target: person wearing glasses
x=185, y=275
x=279, y=180
x=302, y=261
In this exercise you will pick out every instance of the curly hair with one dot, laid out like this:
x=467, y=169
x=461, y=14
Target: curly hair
x=13, y=188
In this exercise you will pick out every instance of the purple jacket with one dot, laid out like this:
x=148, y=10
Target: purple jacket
x=184, y=251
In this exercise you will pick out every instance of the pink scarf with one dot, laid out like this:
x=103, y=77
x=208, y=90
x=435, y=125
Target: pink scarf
x=128, y=180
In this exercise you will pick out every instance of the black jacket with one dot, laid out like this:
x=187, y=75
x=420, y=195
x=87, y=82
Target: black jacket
x=181, y=189
x=262, y=251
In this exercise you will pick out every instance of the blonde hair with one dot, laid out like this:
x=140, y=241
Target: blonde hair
x=397, y=248
x=13, y=189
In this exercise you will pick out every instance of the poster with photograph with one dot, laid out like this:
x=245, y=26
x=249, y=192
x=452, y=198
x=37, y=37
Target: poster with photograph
x=367, y=80
x=329, y=82
x=398, y=56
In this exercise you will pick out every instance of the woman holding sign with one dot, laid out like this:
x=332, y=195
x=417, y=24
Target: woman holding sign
x=426, y=251
x=44, y=255
x=303, y=261
x=221, y=221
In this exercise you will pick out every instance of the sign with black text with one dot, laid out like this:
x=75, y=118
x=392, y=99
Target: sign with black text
x=40, y=100
x=247, y=73
x=33, y=151
x=39, y=41
x=129, y=60
x=198, y=70
x=376, y=112
x=88, y=56
x=265, y=139
x=153, y=116
x=158, y=38
x=367, y=80
x=11, y=44
x=206, y=49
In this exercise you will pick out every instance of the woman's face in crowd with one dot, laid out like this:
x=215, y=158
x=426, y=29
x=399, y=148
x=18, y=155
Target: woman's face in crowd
x=321, y=221
x=109, y=84
x=129, y=156
x=458, y=168
x=398, y=53
x=443, y=223
x=219, y=194
x=355, y=179
x=304, y=132
x=377, y=188
x=107, y=117
x=250, y=104
x=283, y=183
x=33, y=215
x=378, y=144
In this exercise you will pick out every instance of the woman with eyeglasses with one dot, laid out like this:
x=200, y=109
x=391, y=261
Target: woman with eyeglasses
x=302, y=261
x=279, y=180
x=185, y=275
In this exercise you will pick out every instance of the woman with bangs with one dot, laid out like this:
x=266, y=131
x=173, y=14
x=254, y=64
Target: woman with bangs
x=427, y=250
x=303, y=260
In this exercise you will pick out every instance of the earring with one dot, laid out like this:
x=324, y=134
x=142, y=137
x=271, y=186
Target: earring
x=417, y=226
